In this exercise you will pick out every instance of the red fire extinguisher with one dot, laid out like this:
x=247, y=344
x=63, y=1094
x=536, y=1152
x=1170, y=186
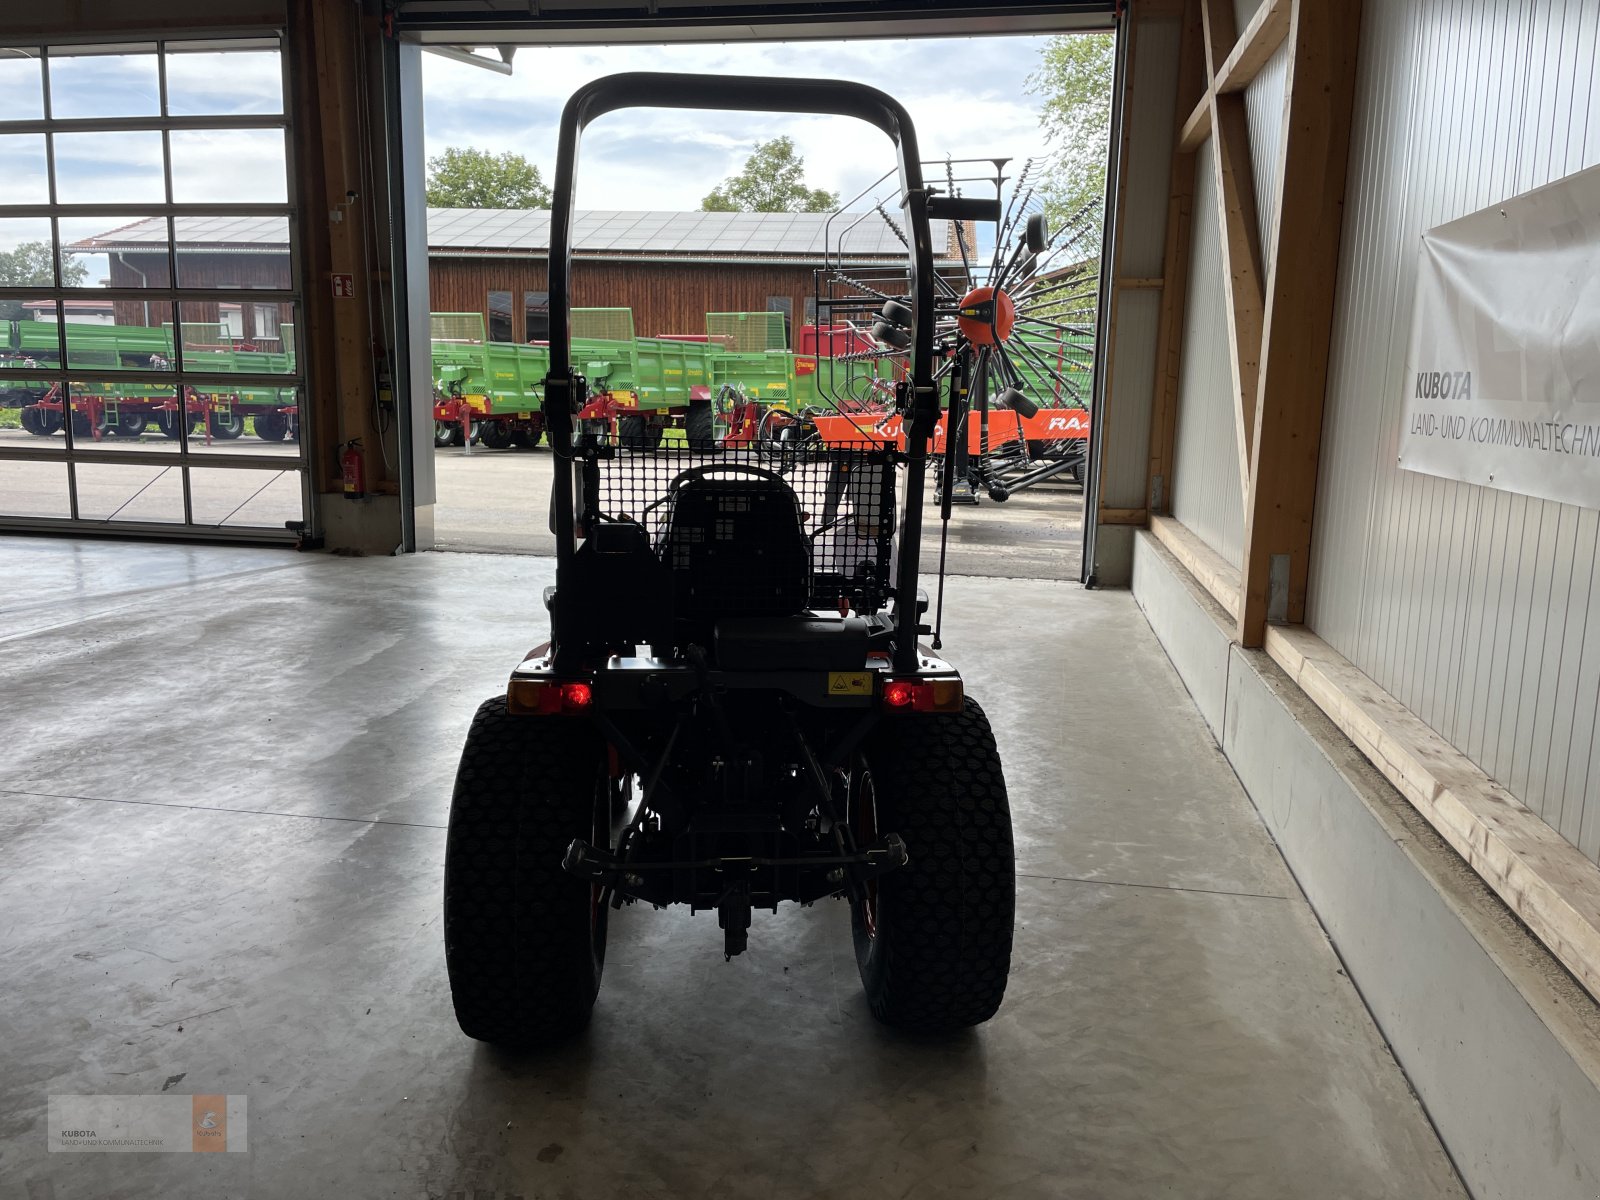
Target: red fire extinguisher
x=353, y=470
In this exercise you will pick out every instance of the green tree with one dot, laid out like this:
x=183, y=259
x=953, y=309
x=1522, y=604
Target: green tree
x=467, y=178
x=1074, y=80
x=29, y=266
x=773, y=180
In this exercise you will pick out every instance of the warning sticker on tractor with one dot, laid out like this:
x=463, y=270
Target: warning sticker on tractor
x=849, y=683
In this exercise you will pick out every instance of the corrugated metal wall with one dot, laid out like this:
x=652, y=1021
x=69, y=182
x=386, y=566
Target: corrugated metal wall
x=1264, y=101
x=1125, y=456
x=1205, y=470
x=1476, y=608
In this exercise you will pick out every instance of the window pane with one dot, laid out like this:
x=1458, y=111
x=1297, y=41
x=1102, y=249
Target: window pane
x=30, y=414
x=30, y=335
x=231, y=498
x=104, y=84
x=26, y=177
x=208, y=82
x=104, y=168
x=536, y=313
x=121, y=252
x=229, y=166
x=21, y=83
x=129, y=492
x=242, y=420
x=25, y=252
x=238, y=337
x=233, y=252
x=500, y=317
x=123, y=416
x=111, y=335
x=34, y=488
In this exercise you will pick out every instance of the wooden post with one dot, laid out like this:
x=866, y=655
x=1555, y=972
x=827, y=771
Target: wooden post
x=1299, y=315
x=325, y=40
x=1239, y=227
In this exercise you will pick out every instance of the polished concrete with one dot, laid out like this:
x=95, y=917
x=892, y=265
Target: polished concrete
x=222, y=803
x=1498, y=1040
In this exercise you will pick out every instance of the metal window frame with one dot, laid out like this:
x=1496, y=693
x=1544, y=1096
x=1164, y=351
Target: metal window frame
x=173, y=296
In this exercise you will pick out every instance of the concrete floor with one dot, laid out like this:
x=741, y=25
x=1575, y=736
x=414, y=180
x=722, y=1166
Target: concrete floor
x=221, y=831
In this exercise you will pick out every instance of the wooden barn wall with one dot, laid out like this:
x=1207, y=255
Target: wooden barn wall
x=242, y=271
x=665, y=298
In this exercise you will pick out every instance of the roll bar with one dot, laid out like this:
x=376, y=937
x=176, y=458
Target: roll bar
x=649, y=89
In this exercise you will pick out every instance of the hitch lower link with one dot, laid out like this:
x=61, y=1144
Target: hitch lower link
x=653, y=881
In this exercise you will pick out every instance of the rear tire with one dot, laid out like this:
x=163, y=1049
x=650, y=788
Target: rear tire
x=226, y=426
x=524, y=941
x=446, y=433
x=699, y=427
x=933, y=938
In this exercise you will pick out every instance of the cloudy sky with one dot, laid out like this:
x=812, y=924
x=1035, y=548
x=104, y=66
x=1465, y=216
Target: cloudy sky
x=966, y=96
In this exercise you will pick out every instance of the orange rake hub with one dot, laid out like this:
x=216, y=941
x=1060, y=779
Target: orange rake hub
x=986, y=316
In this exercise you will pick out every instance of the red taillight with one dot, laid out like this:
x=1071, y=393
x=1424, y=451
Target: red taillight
x=544, y=698
x=924, y=695
x=898, y=695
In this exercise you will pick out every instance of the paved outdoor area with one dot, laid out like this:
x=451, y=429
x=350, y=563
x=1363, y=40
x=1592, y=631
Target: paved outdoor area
x=222, y=816
x=498, y=501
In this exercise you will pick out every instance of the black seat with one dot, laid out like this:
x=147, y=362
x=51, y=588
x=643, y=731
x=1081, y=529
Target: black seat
x=734, y=545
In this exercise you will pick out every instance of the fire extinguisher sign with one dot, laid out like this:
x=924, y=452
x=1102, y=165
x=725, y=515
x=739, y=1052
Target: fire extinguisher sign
x=344, y=286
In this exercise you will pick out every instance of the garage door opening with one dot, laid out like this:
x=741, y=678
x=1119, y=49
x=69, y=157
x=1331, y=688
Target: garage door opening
x=699, y=241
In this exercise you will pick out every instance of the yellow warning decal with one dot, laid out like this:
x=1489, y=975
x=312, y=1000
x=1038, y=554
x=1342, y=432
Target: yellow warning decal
x=849, y=683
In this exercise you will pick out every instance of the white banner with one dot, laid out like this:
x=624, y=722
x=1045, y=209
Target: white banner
x=1503, y=379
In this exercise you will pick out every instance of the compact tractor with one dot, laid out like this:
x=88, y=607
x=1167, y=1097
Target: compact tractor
x=736, y=706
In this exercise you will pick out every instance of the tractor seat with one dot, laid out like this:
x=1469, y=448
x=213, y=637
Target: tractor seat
x=734, y=545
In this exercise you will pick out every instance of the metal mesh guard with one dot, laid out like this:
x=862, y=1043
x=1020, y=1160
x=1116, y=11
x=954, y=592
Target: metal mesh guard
x=845, y=496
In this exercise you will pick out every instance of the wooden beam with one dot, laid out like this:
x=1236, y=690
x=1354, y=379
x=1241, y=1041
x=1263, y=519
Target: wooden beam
x=1258, y=43
x=1123, y=516
x=1214, y=573
x=1241, y=237
x=1175, y=272
x=1194, y=131
x=1136, y=283
x=1298, y=326
x=1544, y=879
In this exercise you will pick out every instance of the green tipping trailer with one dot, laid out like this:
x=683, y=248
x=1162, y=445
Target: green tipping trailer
x=125, y=408
x=499, y=386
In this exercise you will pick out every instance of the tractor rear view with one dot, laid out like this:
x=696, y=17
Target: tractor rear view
x=734, y=708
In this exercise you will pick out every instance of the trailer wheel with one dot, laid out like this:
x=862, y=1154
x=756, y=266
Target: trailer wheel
x=699, y=427
x=640, y=433
x=933, y=939
x=271, y=426
x=170, y=424
x=524, y=941
x=226, y=426
x=496, y=435
x=131, y=425
x=446, y=433
x=40, y=422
